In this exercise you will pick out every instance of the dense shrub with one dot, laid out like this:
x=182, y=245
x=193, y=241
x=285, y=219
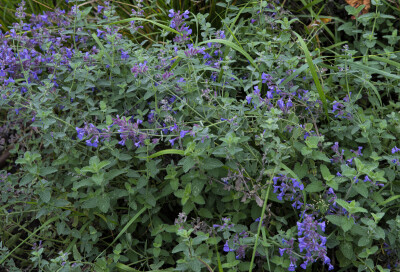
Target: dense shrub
x=240, y=148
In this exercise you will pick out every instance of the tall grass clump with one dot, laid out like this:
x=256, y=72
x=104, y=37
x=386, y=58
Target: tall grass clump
x=254, y=143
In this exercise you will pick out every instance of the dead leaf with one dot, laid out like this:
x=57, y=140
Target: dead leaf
x=259, y=201
x=314, y=24
x=357, y=3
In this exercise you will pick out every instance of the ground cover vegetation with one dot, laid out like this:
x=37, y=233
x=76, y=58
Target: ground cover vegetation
x=199, y=136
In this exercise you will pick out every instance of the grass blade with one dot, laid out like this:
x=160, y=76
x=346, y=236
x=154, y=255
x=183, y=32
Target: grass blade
x=298, y=72
x=389, y=200
x=388, y=61
x=133, y=219
x=235, y=47
x=313, y=73
x=165, y=27
x=164, y=152
x=373, y=70
x=51, y=220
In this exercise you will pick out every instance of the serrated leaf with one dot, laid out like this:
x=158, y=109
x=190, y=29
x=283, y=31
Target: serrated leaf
x=152, y=167
x=347, y=250
x=124, y=157
x=342, y=221
x=205, y=213
x=90, y=203
x=104, y=203
x=45, y=195
x=362, y=189
x=47, y=171
x=174, y=183
x=77, y=256
x=114, y=173
x=315, y=186
x=98, y=178
x=83, y=183
x=312, y=141
x=197, y=186
x=364, y=240
x=187, y=163
x=318, y=155
x=211, y=163
x=326, y=174
x=300, y=170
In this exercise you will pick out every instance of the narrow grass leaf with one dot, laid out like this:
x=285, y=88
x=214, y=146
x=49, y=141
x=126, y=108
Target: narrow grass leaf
x=373, y=70
x=388, y=200
x=164, y=152
x=102, y=47
x=313, y=73
x=298, y=72
x=235, y=47
x=388, y=61
x=51, y=220
x=133, y=219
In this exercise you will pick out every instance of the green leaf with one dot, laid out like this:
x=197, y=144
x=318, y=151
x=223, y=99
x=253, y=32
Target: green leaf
x=364, y=240
x=90, y=203
x=187, y=163
x=104, y=203
x=210, y=163
x=315, y=187
x=318, y=155
x=362, y=189
x=152, y=167
x=342, y=221
x=77, y=256
x=174, y=183
x=114, y=173
x=333, y=184
x=312, y=141
x=301, y=170
x=197, y=186
x=347, y=249
x=343, y=204
x=47, y=171
x=103, y=50
x=205, y=213
x=45, y=195
x=124, y=267
x=98, y=178
x=83, y=183
x=199, y=200
x=326, y=174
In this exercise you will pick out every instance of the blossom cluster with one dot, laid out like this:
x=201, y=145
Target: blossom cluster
x=177, y=23
x=310, y=242
x=288, y=188
x=94, y=134
x=339, y=155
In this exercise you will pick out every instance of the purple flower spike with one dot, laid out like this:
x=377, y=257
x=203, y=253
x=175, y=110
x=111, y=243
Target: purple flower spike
x=172, y=141
x=256, y=90
x=248, y=98
x=183, y=133
x=227, y=248
x=281, y=104
x=311, y=241
x=395, y=149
